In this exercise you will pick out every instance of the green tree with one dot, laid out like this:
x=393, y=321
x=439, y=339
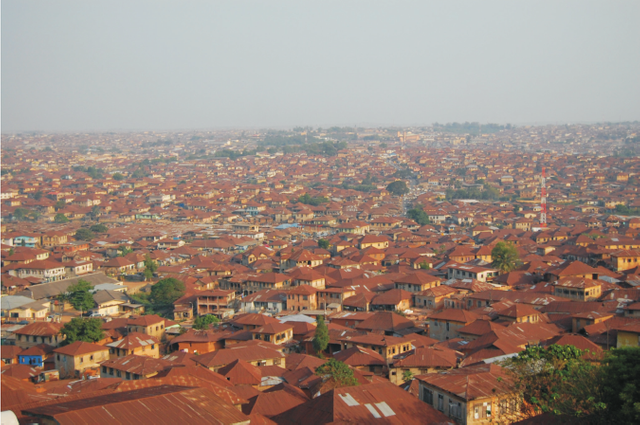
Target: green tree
x=60, y=218
x=166, y=291
x=95, y=212
x=398, y=188
x=117, y=176
x=38, y=195
x=124, y=250
x=407, y=375
x=418, y=215
x=559, y=379
x=323, y=243
x=505, y=256
x=313, y=201
x=20, y=214
x=150, y=267
x=78, y=295
x=338, y=372
x=138, y=174
x=621, y=385
x=60, y=204
x=99, y=228
x=424, y=265
x=203, y=322
x=78, y=329
x=84, y=234
x=321, y=337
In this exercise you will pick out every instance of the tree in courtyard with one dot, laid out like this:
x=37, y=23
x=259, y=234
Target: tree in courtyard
x=78, y=329
x=124, y=250
x=418, y=215
x=84, y=234
x=78, y=295
x=20, y=213
x=505, y=256
x=60, y=218
x=117, y=176
x=321, y=337
x=203, y=322
x=398, y=188
x=338, y=373
x=99, y=228
x=166, y=291
x=150, y=267
x=60, y=204
x=323, y=243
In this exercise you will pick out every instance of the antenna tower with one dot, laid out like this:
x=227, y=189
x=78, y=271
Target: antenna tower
x=543, y=200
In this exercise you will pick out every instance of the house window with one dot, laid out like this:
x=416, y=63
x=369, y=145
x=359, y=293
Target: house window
x=91, y=357
x=104, y=369
x=81, y=359
x=447, y=326
x=482, y=411
x=128, y=375
x=441, y=402
x=58, y=357
x=428, y=396
x=455, y=409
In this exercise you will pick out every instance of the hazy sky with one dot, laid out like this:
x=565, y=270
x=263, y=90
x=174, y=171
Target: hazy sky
x=162, y=65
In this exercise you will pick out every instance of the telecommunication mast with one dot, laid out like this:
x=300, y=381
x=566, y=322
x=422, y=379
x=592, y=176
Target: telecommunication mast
x=543, y=200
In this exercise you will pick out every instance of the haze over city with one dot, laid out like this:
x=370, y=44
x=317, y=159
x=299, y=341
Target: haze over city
x=147, y=65
x=320, y=212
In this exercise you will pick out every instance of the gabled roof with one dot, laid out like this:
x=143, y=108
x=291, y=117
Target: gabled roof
x=385, y=321
x=254, y=319
x=248, y=353
x=364, y=404
x=79, y=348
x=359, y=356
x=147, y=320
x=139, y=365
x=455, y=315
x=240, y=372
x=40, y=329
x=480, y=327
x=160, y=404
x=272, y=403
x=134, y=340
x=428, y=357
x=476, y=382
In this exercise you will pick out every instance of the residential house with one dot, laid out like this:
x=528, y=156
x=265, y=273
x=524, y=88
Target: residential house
x=74, y=359
x=474, y=395
x=151, y=324
x=135, y=343
x=421, y=361
x=445, y=324
x=39, y=333
x=133, y=367
x=303, y=297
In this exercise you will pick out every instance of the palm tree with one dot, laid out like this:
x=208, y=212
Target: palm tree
x=505, y=256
